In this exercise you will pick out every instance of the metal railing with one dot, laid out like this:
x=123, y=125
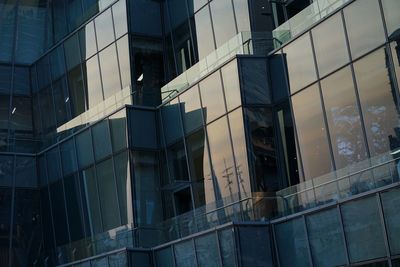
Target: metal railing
x=302, y=21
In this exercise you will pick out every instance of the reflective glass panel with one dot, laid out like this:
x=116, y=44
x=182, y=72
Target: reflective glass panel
x=326, y=239
x=53, y=164
x=61, y=102
x=222, y=160
x=330, y=45
x=242, y=15
x=84, y=148
x=109, y=71
x=292, y=240
x=164, y=257
x=378, y=102
x=124, y=62
x=59, y=213
x=223, y=21
x=101, y=140
x=207, y=251
x=212, y=97
x=171, y=121
x=227, y=247
x=311, y=132
x=184, y=254
x=87, y=38
x=205, y=38
x=391, y=210
x=392, y=16
x=90, y=198
x=191, y=109
x=68, y=157
x=57, y=62
x=108, y=192
x=118, y=130
x=363, y=229
x=120, y=19
x=300, y=63
x=6, y=170
x=95, y=94
x=74, y=207
x=76, y=91
x=122, y=174
x=230, y=78
x=364, y=34
x=72, y=53
x=255, y=247
x=343, y=118
x=104, y=29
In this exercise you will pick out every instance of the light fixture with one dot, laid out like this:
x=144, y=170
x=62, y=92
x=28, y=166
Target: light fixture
x=395, y=152
x=13, y=111
x=67, y=99
x=140, y=78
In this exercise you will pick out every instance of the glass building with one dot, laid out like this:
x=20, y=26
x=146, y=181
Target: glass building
x=175, y=133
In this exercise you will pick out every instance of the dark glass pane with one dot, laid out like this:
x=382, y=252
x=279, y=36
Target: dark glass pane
x=47, y=108
x=364, y=34
x=90, y=198
x=6, y=170
x=25, y=172
x=378, y=102
x=171, y=122
x=185, y=254
x=343, y=119
x=74, y=207
x=108, y=193
x=61, y=101
x=43, y=72
x=164, y=257
x=207, y=251
x=53, y=164
x=101, y=140
x=177, y=162
x=5, y=217
x=84, y=149
x=5, y=78
x=59, y=213
x=72, y=53
x=68, y=157
x=191, y=109
x=204, y=33
x=254, y=81
x=21, y=114
x=330, y=45
x=311, y=132
x=76, y=91
x=326, y=239
x=212, y=97
x=109, y=71
x=363, y=229
x=391, y=210
x=21, y=81
x=144, y=136
x=118, y=130
x=4, y=111
x=301, y=69
x=8, y=30
x=104, y=29
x=57, y=62
x=255, y=247
x=292, y=240
x=227, y=247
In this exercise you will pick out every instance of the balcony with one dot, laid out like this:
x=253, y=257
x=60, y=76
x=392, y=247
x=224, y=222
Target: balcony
x=309, y=16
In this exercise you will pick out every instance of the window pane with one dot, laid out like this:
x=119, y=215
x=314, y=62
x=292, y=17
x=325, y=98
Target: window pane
x=177, y=162
x=53, y=164
x=77, y=91
x=124, y=63
x=205, y=39
x=391, y=210
x=191, y=109
x=146, y=135
x=330, y=45
x=212, y=97
x=171, y=122
x=60, y=94
x=326, y=239
x=390, y=9
x=95, y=94
x=292, y=240
x=230, y=77
x=104, y=29
x=72, y=54
x=91, y=200
x=378, y=102
x=118, y=130
x=108, y=193
x=47, y=109
x=311, y=132
x=21, y=81
x=57, y=62
x=343, y=119
x=207, y=251
x=364, y=34
x=84, y=149
x=68, y=157
x=301, y=69
x=101, y=140
x=222, y=160
x=6, y=170
x=164, y=257
x=184, y=254
x=74, y=207
x=236, y=123
x=59, y=213
x=242, y=15
x=227, y=247
x=223, y=21
x=21, y=114
x=122, y=173
x=363, y=229
x=120, y=19
x=87, y=37
x=109, y=71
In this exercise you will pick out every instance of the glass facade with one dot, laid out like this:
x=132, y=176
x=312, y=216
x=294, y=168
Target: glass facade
x=93, y=160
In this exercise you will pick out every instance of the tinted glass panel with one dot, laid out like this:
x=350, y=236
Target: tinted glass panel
x=25, y=172
x=391, y=210
x=84, y=148
x=301, y=69
x=326, y=239
x=242, y=15
x=59, y=212
x=109, y=71
x=104, y=29
x=311, y=132
x=124, y=63
x=363, y=229
x=172, y=126
x=90, y=198
x=184, y=254
x=255, y=247
x=74, y=207
x=378, y=102
x=87, y=37
x=207, y=251
x=212, y=97
x=254, y=81
x=120, y=19
x=392, y=18
x=164, y=257
x=364, y=34
x=343, y=118
x=6, y=170
x=118, y=130
x=330, y=45
x=204, y=33
x=72, y=54
x=101, y=140
x=68, y=157
x=191, y=109
x=230, y=78
x=95, y=94
x=122, y=174
x=223, y=21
